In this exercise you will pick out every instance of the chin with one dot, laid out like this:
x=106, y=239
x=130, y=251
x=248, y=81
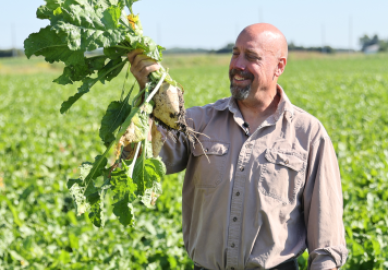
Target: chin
x=240, y=93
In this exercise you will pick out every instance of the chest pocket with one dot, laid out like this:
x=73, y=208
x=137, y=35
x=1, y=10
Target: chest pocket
x=209, y=169
x=282, y=175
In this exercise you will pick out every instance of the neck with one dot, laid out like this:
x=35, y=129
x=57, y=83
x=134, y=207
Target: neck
x=258, y=108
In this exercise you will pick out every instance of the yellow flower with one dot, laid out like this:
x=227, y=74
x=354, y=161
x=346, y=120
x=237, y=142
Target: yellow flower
x=133, y=19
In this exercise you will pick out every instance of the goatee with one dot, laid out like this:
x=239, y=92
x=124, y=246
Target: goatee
x=240, y=93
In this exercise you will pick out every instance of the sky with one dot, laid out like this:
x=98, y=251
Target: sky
x=212, y=24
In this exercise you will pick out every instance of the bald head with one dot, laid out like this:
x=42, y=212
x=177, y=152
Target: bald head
x=270, y=38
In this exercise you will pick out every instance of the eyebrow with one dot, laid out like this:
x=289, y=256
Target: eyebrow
x=247, y=50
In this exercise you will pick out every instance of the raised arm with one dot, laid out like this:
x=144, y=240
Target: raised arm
x=175, y=147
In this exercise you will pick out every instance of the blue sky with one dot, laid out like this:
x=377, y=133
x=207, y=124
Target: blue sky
x=212, y=24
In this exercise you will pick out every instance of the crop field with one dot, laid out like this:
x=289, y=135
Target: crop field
x=40, y=149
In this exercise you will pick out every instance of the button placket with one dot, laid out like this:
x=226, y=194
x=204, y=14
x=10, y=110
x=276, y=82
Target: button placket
x=234, y=236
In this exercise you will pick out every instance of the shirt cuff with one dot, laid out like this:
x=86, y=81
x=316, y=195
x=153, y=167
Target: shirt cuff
x=328, y=258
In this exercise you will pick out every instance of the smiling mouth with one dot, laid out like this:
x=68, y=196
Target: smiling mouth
x=239, y=78
x=241, y=75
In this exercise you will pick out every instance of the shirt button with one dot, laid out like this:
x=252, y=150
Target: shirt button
x=234, y=219
x=232, y=245
x=287, y=161
x=238, y=193
x=242, y=168
x=249, y=145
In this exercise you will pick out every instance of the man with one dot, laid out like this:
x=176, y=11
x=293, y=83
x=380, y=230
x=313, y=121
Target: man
x=269, y=184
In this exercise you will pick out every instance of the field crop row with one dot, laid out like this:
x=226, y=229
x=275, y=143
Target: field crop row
x=40, y=149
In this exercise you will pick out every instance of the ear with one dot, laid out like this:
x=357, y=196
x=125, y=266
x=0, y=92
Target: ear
x=281, y=66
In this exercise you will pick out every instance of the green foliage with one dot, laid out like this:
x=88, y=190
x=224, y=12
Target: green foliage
x=114, y=117
x=77, y=26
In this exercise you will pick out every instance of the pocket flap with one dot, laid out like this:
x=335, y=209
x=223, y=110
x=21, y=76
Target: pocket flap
x=285, y=158
x=211, y=148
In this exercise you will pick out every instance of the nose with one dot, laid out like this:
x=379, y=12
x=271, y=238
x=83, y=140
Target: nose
x=238, y=62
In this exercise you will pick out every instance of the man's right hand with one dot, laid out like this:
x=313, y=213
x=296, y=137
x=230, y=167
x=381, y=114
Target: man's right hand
x=141, y=66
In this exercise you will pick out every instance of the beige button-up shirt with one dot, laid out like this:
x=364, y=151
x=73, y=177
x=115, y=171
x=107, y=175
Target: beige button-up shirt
x=253, y=201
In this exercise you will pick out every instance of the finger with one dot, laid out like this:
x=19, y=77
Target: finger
x=148, y=69
x=131, y=55
x=141, y=59
x=143, y=66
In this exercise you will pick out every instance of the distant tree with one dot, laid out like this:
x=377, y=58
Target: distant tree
x=366, y=41
x=383, y=45
x=227, y=49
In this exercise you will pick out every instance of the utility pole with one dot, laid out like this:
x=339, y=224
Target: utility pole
x=323, y=39
x=350, y=33
x=13, y=40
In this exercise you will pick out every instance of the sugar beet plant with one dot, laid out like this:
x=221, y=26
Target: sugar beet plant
x=77, y=26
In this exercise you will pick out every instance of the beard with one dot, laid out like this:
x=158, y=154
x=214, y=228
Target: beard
x=238, y=92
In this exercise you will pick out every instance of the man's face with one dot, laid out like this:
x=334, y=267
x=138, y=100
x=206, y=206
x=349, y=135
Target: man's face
x=252, y=66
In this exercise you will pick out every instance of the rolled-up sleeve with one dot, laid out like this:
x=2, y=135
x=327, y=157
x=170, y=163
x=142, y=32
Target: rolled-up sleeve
x=176, y=148
x=175, y=151
x=323, y=208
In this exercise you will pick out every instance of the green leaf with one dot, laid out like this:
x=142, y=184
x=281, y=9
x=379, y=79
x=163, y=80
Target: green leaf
x=155, y=170
x=123, y=190
x=77, y=188
x=71, y=182
x=43, y=12
x=92, y=194
x=146, y=44
x=115, y=52
x=95, y=214
x=87, y=84
x=66, y=76
x=50, y=10
x=89, y=26
x=54, y=4
x=124, y=211
x=68, y=103
x=96, y=62
x=74, y=73
x=77, y=192
x=112, y=16
x=140, y=125
x=110, y=70
x=115, y=115
x=48, y=44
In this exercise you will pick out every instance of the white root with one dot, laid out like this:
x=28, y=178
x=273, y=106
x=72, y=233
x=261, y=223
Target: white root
x=157, y=140
x=169, y=106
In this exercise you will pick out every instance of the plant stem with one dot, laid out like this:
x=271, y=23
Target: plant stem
x=130, y=171
x=156, y=88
